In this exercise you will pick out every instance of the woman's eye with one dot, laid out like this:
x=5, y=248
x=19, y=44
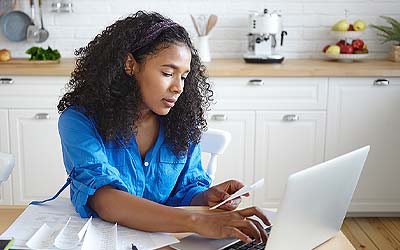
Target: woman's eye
x=167, y=74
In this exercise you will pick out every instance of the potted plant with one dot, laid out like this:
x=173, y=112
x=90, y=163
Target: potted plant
x=390, y=34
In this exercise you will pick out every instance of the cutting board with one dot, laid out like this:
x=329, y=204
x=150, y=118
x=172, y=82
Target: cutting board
x=26, y=61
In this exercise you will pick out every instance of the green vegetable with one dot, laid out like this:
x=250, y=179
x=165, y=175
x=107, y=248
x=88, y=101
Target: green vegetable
x=38, y=53
x=389, y=33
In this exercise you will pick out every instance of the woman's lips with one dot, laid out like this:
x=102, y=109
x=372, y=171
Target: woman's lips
x=169, y=102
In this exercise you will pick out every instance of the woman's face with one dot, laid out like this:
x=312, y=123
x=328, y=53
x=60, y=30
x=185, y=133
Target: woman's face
x=161, y=78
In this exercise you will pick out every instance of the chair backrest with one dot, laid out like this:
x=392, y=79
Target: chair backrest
x=214, y=141
x=6, y=165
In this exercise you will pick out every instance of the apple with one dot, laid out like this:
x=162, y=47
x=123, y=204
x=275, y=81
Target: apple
x=361, y=51
x=333, y=49
x=347, y=49
x=359, y=25
x=357, y=44
x=342, y=25
x=5, y=55
x=325, y=48
x=341, y=43
x=351, y=27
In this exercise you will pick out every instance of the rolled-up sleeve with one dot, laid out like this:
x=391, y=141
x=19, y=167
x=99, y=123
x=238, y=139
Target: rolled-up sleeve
x=85, y=160
x=192, y=180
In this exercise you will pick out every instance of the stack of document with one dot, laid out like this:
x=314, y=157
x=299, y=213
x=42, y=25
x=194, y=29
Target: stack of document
x=56, y=225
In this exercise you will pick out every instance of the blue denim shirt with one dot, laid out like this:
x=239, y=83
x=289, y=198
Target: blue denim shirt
x=92, y=163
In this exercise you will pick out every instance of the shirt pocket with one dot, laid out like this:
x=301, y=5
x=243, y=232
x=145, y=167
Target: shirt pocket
x=167, y=156
x=170, y=168
x=116, y=157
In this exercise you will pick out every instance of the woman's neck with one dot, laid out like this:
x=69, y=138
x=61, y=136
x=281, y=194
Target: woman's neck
x=145, y=117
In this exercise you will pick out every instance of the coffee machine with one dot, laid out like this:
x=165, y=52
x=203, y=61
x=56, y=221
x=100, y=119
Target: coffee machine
x=264, y=37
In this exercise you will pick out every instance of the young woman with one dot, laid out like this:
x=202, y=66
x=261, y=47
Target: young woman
x=130, y=128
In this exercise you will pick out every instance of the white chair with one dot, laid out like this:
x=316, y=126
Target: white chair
x=214, y=141
x=6, y=165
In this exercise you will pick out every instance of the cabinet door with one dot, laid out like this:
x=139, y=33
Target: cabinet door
x=361, y=112
x=5, y=187
x=237, y=162
x=286, y=142
x=39, y=171
x=270, y=93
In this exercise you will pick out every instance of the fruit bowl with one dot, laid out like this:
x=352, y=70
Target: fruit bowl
x=347, y=57
x=343, y=35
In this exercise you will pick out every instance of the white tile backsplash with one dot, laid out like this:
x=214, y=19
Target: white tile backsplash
x=307, y=22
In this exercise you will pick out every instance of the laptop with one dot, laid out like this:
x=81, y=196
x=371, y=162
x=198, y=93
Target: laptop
x=311, y=211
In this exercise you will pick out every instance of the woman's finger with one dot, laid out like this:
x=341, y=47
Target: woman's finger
x=234, y=232
x=234, y=186
x=248, y=212
x=231, y=205
x=264, y=235
x=248, y=227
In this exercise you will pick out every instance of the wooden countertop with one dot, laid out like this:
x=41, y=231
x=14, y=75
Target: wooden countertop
x=237, y=67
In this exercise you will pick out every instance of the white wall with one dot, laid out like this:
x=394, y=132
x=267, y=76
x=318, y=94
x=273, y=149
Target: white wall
x=307, y=22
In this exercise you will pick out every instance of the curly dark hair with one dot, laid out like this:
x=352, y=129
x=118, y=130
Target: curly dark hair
x=100, y=87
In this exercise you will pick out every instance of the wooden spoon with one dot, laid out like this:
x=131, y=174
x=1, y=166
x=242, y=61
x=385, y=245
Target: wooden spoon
x=212, y=21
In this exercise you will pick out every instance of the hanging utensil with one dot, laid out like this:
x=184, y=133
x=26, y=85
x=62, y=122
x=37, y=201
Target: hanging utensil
x=43, y=33
x=32, y=33
x=212, y=21
x=14, y=24
x=201, y=22
x=195, y=25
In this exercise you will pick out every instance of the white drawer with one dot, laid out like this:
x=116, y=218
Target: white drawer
x=31, y=91
x=264, y=93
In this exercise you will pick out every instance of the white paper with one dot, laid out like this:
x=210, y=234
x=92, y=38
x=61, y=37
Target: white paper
x=70, y=236
x=84, y=228
x=240, y=192
x=100, y=238
x=43, y=238
x=56, y=213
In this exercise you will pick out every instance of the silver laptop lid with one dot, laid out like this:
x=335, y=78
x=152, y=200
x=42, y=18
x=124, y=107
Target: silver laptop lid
x=315, y=202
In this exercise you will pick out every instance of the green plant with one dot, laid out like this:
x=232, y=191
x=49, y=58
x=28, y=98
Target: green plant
x=38, y=53
x=389, y=33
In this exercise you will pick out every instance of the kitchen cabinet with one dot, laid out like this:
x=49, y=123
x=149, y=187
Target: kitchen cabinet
x=289, y=116
x=279, y=125
x=366, y=111
x=238, y=159
x=39, y=171
x=286, y=142
x=5, y=187
x=28, y=119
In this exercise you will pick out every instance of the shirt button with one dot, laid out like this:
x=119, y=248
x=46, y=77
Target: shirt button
x=146, y=164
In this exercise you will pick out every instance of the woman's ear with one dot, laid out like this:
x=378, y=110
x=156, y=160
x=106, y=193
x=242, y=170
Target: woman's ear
x=130, y=64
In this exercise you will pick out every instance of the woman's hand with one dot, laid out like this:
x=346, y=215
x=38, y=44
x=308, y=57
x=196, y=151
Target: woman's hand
x=219, y=193
x=232, y=224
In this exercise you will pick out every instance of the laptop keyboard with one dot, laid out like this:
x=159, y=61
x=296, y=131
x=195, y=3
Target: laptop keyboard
x=241, y=245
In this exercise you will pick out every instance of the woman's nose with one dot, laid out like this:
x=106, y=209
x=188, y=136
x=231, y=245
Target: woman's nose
x=177, y=86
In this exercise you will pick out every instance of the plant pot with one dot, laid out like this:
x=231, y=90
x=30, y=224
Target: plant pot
x=394, y=54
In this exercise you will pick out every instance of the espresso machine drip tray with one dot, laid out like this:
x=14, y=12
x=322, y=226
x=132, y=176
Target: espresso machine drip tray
x=263, y=59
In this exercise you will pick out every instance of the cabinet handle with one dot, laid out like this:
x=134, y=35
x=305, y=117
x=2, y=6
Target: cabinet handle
x=255, y=82
x=381, y=82
x=290, y=118
x=219, y=117
x=42, y=116
x=6, y=81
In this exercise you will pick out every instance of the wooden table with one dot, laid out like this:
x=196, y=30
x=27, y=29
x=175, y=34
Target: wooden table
x=9, y=213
